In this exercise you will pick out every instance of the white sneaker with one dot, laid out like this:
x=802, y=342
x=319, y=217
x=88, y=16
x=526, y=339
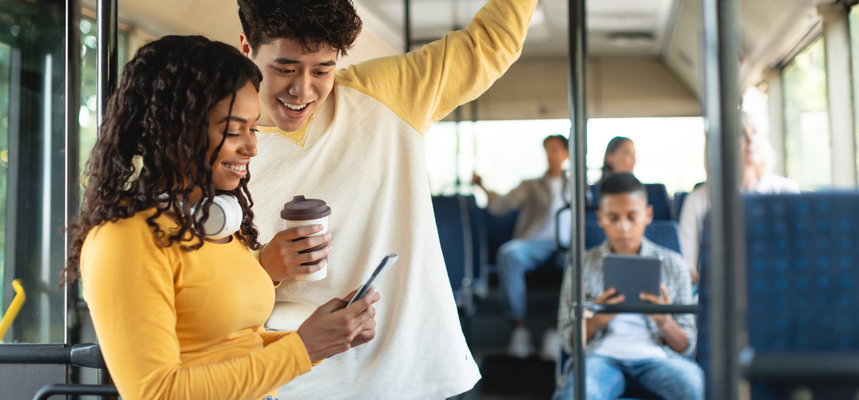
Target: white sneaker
x=550, y=350
x=520, y=343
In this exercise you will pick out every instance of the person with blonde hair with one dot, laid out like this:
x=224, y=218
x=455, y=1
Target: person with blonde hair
x=758, y=158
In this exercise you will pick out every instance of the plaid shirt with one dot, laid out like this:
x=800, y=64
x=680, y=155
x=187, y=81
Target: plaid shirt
x=675, y=276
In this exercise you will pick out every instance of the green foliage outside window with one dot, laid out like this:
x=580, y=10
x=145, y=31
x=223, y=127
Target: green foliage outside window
x=88, y=112
x=806, y=114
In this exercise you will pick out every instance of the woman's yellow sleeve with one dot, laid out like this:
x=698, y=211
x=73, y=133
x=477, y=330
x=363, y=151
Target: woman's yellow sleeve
x=128, y=286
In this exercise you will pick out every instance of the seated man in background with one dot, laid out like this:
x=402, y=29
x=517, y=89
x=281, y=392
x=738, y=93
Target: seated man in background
x=538, y=201
x=647, y=352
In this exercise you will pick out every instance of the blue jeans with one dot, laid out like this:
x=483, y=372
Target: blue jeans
x=515, y=258
x=671, y=378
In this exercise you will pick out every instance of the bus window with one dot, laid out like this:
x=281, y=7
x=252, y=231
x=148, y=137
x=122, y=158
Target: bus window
x=504, y=153
x=806, y=119
x=87, y=118
x=853, y=18
x=32, y=166
x=667, y=150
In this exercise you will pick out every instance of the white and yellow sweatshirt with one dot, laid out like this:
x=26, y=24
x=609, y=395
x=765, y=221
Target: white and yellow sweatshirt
x=363, y=153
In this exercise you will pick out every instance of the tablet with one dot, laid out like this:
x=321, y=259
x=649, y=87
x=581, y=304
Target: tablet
x=631, y=275
x=377, y=275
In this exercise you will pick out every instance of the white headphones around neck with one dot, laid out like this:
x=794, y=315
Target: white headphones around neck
x=225, y=216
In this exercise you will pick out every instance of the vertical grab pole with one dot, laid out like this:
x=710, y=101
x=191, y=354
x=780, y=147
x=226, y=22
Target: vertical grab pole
x=578, y=136
x=407, y=25
x=727, y=272
x=106, y=61
x=106, y=58
x=72, y=184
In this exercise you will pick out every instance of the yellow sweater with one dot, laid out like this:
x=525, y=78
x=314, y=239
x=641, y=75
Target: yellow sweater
x=363, y=153
x=176, y=324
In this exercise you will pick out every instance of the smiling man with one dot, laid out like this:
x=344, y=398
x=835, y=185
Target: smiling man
x=354, y=138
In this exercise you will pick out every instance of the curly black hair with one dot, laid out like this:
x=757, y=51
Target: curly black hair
x=313, y=23
x=160, y=114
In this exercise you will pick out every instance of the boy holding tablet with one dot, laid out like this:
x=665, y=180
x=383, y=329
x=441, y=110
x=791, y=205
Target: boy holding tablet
x=647, y=352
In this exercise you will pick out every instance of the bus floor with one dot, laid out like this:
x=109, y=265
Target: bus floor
x=488, y=333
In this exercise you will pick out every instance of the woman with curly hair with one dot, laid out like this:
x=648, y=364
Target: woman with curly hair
x=164, y=234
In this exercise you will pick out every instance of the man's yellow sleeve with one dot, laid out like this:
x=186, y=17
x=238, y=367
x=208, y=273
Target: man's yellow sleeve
x=422, y=87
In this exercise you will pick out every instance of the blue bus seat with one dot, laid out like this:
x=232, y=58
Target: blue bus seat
x=657, y=197
x=663, y=233
x=480, y=246
x=499, y=230
x=454, y=233
x=594, y=235
x=801, y=261
x=801, y=258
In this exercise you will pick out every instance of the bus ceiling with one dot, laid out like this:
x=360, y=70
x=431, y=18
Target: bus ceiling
x=644, y=55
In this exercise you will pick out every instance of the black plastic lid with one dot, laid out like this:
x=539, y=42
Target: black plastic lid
x=302, y=209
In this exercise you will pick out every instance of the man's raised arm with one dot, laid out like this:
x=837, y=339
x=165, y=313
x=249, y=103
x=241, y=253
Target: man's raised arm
x=424, y=86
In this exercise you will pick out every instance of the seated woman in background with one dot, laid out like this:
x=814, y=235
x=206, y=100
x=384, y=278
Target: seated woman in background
x=757, y=177
x=164, y=234
x=619, y=157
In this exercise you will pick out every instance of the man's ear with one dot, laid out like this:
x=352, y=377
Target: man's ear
x=649, y=214
x=244, y=45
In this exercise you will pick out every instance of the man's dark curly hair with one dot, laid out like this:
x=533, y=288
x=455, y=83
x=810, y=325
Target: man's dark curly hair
x=313, y=23
x=160, y=113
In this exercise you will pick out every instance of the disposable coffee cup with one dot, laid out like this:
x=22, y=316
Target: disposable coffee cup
x=301, y=211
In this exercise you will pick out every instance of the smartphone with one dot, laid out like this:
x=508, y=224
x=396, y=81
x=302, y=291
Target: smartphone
x=377, y=275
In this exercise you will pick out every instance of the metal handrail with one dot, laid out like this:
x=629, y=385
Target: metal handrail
x=14, y=308
x=75, y=390
x=597, y=308
x=803, y=366
x=80, y=355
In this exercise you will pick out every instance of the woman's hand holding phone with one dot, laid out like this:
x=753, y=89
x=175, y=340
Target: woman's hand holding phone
x=368, y=330
x=334, y=328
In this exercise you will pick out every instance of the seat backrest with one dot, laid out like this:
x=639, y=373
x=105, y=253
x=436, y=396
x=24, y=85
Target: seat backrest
x=454, y=233
x=499, y=230
x=594, y=235
x=663, y=233
x=657, y=196
x=802, y=253
x=801, y=258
